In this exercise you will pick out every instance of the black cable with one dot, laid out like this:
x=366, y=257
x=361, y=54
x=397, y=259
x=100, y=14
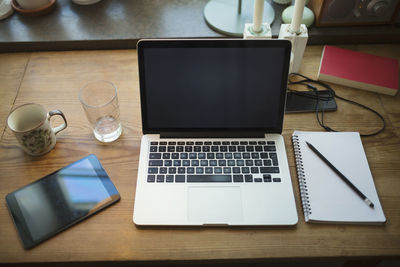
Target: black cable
x=331, y=94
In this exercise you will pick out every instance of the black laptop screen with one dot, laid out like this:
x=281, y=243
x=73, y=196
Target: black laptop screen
x=237, y=86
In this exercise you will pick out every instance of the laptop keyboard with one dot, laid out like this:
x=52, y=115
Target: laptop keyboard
x=216, y=161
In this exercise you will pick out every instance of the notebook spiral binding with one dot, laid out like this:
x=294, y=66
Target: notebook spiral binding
x=301, y=177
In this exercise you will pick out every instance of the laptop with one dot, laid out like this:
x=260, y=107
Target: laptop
x=212, y=153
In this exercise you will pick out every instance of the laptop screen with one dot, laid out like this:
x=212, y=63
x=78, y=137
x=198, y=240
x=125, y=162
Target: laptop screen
x=213, y=85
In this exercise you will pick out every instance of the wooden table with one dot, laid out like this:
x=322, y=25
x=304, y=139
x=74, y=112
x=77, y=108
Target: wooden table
x=53, y=80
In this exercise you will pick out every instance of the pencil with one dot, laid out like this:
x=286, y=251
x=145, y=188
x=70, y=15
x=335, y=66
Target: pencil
x=355, y=189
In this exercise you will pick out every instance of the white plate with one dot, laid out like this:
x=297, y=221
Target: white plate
x=5, y=9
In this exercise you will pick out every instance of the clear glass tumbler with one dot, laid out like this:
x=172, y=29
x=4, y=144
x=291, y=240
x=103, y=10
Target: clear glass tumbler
x=100, y=102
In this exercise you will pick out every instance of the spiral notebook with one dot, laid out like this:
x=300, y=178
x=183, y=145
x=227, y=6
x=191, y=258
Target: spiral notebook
x=325, y=197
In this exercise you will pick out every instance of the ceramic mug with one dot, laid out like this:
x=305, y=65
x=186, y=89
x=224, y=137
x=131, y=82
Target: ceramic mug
x=31, y=126
x=32, y=4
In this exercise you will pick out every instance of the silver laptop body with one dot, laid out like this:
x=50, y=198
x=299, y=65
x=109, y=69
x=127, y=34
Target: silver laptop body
x=212, y=152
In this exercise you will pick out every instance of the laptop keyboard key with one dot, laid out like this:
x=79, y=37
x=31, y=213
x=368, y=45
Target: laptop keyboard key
x=213, y=163
x=169, y=178
x=238, y=178
x=274, y=158
x=151, y=178
x=155, y=162
x=249, y=162
x=179, y=178
x=227, y=170
x=160, y=178
x=267, y=162
x=203, y=162
x=237, y=155
x=155, y=155
x=249, y=148
x=209, y=178
x=153, y=170
x=199, y=170
x=269, y=169
x=258, y=162
x=248, y=178
x=267, y=178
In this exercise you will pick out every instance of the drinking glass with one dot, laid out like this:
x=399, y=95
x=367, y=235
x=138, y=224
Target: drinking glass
x=100, y=102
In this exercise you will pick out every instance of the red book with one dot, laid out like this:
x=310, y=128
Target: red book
x=359, y=70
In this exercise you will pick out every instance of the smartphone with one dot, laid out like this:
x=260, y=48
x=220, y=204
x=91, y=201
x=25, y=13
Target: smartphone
x=61, y=199
x=306, y=101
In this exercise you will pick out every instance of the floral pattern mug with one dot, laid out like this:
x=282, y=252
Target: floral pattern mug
x=30, y=124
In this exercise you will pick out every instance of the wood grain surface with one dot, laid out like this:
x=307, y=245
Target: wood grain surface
x=53, y=79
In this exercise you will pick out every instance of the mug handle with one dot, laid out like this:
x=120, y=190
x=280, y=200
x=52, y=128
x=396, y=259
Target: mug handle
x=62, y=126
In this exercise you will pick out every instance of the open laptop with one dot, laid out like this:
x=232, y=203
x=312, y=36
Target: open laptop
x=212, y=152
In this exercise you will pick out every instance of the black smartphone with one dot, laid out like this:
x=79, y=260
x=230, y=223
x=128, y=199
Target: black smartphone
x=297, y=102
x=63, y=198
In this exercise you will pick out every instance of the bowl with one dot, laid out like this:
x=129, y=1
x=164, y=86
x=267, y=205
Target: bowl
x=34, y=12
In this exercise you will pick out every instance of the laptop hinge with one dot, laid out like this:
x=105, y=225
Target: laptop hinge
x=222, y=134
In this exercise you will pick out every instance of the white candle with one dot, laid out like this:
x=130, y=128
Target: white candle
x=297, y=15
x=258, y=15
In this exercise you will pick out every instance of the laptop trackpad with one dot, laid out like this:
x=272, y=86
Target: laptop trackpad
x=215, y=205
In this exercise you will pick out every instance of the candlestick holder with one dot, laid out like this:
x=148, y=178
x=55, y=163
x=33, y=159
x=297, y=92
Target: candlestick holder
x=229, y=17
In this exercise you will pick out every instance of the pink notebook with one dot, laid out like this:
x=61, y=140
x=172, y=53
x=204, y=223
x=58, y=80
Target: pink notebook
x=359, y=70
